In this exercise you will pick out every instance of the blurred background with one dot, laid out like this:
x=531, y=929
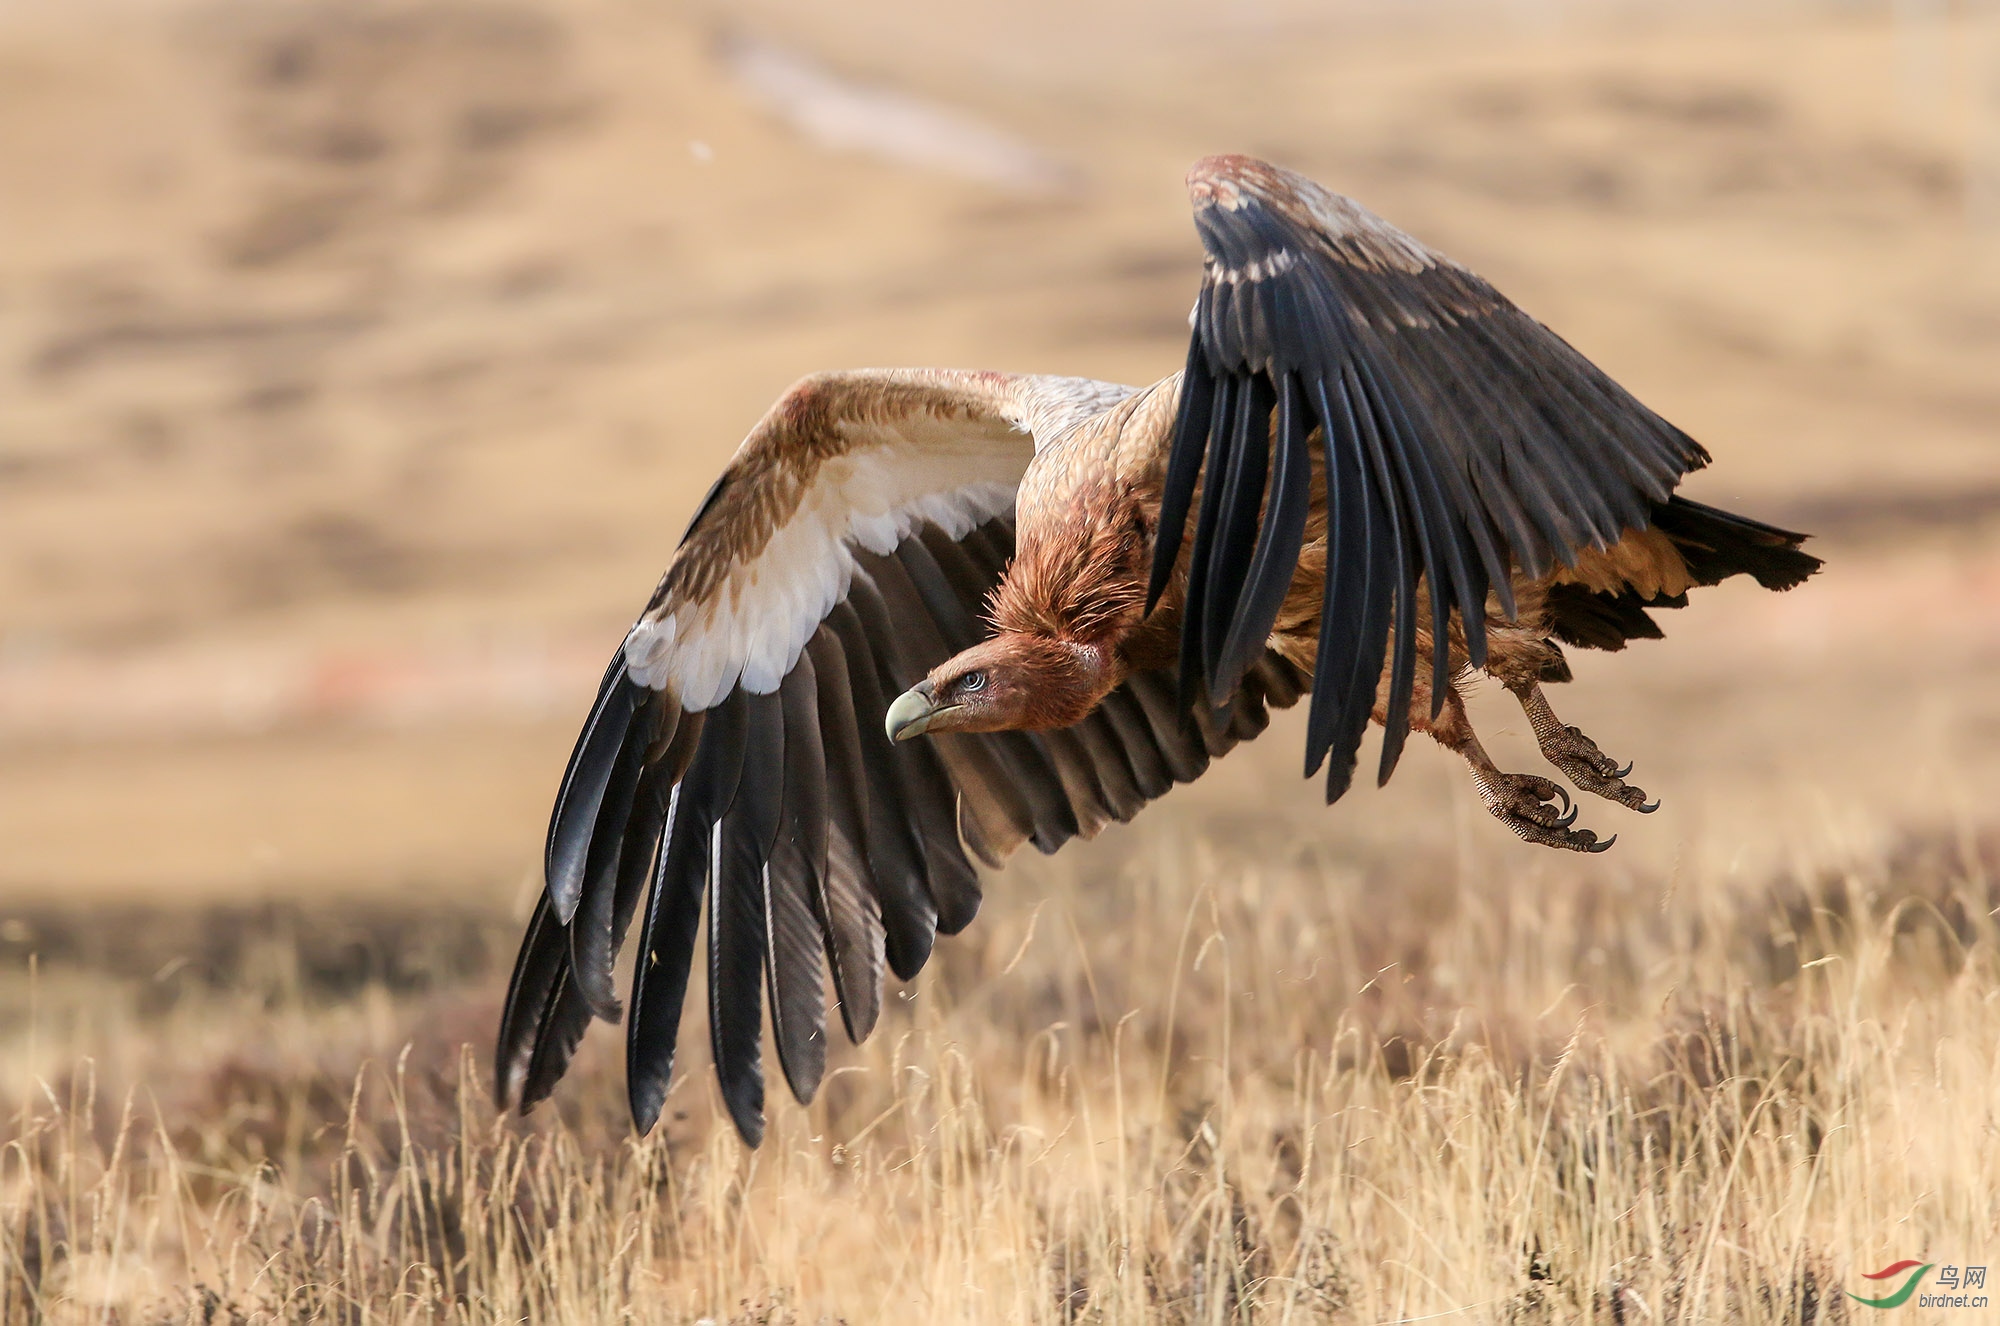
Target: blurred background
x=361, y=361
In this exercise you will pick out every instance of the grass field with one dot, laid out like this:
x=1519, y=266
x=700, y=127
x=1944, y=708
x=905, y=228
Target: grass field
x=359, y=363
x=1207, y=1084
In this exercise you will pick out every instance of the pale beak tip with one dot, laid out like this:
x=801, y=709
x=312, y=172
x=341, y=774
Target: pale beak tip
x=908, y=716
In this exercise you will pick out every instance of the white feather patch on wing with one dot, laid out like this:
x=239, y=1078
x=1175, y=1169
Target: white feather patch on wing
x=894, y=478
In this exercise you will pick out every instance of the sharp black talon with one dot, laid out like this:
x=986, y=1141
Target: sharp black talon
x=1622, y=772
x=1649, y=807
x=1604, y=846
x=1566, y=820
x=1565, y=796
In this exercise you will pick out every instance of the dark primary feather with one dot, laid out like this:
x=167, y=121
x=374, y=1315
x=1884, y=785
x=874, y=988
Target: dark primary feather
x=848, y=893
x=1462, y=439
x=599, y=927
x=1402, y=553
x=673, y=911
x=736, y=935
x=539, y=971
x=909, y=917
x=1125, y=718
x=1237, y=519
x=591, y=950
x=794, y=919
x=996, y=813
x=944, y=613
x=1116, y=793
x=1270, y=571
x=1183, y=471
x=564, y=1019
x=606, y=831
x=1354, y=615
x=592, y=766
x=929, y=798
x=1218, y=427
x=1180, y=744
x=1442, y=554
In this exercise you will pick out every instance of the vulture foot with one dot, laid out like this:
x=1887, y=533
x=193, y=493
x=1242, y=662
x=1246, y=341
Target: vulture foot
x=1535, y=808
x=1579, y=758
x=1526, y=804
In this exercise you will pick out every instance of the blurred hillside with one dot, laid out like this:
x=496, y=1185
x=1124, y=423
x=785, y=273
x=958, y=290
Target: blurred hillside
x=360, y=363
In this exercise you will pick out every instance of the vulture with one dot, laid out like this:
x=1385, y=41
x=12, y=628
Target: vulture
x=926, y=616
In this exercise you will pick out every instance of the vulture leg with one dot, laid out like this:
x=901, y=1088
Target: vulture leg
x=1576, y=754
x=1522, y=802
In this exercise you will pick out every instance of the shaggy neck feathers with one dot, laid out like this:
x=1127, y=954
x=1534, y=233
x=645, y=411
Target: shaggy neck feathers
x=1088, y=588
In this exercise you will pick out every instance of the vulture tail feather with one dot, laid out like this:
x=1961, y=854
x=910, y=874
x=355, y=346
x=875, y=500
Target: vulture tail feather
x=1718, y=544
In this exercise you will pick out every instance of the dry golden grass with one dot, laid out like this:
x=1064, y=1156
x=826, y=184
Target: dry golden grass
x=1216, y=1084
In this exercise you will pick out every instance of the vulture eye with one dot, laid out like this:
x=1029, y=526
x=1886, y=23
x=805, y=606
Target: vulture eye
x=974, y=680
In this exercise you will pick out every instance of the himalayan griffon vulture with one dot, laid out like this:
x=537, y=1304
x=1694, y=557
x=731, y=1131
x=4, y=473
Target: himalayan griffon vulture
x=926, y=616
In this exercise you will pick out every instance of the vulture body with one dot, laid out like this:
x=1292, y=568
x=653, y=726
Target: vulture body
x=927, y=616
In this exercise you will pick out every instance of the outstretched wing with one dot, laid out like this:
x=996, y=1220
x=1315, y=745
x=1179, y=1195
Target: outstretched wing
x=735, y=758
x=1462, y=439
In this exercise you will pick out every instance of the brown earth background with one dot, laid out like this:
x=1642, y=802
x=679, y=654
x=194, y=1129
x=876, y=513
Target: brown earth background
x=359, y=365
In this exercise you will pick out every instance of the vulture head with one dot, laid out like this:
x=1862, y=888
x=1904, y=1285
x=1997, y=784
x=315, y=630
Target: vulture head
x=1013, y=682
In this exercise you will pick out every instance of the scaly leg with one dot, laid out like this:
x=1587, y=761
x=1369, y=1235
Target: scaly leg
x=1524, y=803
x=1577, y=755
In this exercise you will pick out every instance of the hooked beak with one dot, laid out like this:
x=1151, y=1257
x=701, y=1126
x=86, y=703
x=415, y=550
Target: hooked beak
x=912, y=712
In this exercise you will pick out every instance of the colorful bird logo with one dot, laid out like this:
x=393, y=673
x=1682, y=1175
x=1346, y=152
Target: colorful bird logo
x=1901, y=1296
